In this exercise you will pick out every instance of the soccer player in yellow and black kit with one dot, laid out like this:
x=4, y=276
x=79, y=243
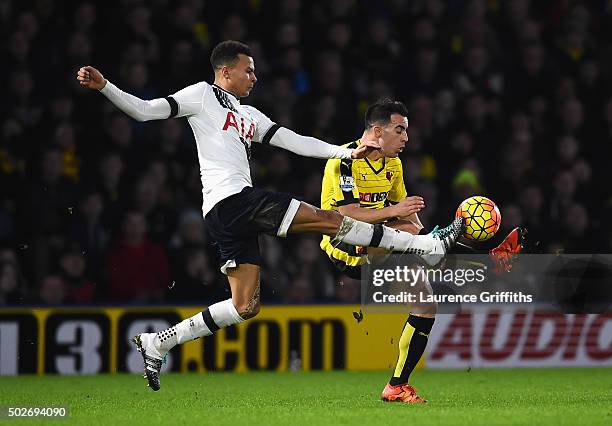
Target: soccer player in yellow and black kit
x=372, y=190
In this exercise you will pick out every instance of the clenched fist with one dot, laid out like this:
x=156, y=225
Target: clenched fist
x=91, y=78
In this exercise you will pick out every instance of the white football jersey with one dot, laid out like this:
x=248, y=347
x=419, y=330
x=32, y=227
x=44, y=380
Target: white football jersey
x=224, y=131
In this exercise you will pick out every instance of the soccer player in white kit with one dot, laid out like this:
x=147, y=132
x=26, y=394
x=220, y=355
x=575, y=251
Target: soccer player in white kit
x=235, y=212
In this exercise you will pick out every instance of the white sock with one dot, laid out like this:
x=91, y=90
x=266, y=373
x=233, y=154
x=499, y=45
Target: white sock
x=354, y=232
x=405, y=242
x=205, y=323
x=223, y=314
x=359, y=233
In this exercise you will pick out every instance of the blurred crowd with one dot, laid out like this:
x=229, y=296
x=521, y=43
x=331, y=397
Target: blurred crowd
x=510, y=99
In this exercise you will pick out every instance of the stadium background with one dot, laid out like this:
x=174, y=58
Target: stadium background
x=508, y=99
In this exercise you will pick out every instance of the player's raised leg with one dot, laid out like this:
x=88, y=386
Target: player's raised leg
x=430, y=247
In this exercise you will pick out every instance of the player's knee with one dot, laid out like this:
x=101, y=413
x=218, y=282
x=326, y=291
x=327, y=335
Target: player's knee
x=427, y=310
x=434, y=310
x=431, y=311
x=330, y=218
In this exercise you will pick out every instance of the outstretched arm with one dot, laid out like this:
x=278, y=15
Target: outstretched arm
x=269, y=133
x=406, y=209
x=138, y=109
x=311, y=147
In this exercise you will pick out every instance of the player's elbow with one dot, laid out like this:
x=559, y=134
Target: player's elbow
x=141, y=117
x=328, y=221
x=136, y=115
x=151, y=110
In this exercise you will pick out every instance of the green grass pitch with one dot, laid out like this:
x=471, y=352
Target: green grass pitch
x=488, y=397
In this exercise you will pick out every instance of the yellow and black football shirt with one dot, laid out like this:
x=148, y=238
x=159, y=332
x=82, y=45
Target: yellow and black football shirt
x=372, y=184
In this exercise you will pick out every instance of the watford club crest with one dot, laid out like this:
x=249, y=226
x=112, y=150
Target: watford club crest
x=389, y=176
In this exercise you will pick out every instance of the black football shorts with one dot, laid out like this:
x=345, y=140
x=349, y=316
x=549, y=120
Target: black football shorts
x=236, y=222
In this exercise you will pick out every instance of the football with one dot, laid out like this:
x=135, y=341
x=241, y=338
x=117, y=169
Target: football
x=482, y=217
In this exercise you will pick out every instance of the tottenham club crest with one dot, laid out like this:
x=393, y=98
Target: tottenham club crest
x=347, y=183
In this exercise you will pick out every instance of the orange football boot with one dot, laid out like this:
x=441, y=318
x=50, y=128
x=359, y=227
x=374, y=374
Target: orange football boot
x=504, y=254
x=401, y=393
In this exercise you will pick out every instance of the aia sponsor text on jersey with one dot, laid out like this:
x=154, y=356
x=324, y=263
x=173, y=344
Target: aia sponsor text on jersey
x=231, y=121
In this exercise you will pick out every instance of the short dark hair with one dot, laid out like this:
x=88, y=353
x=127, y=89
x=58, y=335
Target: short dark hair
x=381, y=111
x=226, y=53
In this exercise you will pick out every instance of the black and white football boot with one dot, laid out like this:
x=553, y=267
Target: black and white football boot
x=152, y=358
x=444, y=240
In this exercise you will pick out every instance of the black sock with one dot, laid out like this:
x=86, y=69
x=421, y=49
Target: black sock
x=411, y=346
